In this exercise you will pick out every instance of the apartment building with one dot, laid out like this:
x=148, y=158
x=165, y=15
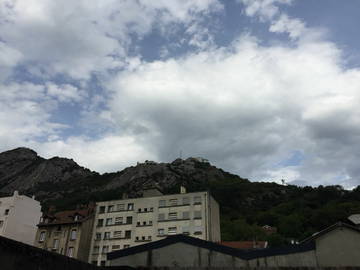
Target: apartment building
x=120, y=224
x=19, y=215
x=67, y=232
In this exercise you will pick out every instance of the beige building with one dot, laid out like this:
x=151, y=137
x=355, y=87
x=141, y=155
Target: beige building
x=67, y=232
x=19, y=215
x=126, y=223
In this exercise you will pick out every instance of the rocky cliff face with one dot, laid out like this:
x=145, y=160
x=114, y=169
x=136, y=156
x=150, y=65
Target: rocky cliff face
x=23, y=170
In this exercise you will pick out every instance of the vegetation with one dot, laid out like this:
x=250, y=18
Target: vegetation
x=296, y=212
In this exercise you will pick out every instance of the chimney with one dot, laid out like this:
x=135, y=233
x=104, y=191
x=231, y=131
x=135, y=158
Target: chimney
x=182, y=190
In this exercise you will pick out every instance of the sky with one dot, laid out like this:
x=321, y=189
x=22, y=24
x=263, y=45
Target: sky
x=266, y=89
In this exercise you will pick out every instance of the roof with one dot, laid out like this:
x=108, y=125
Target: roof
x=66, y=217
x=329, y=229
x=355, y=219
x=180, y=238
x=247, y=245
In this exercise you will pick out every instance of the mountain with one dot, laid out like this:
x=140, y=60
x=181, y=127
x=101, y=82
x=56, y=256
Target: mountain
x=63, y=179
x=296, y=212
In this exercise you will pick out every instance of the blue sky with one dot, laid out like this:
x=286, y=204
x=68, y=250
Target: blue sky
x=266, y=89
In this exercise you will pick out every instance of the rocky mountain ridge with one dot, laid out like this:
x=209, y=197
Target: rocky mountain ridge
x=55, y=178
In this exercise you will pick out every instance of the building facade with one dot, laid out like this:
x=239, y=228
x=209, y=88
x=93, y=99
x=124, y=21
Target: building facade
x=126, y=223
x=19, y=215
x=67, y=232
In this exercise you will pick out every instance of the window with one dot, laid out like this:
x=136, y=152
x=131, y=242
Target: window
x=98, y=236
x=151, y=209
x=137, y=238
x=172, y=230
x=70, y=252
x=130, y=207
x=42, y=237
x=106, y=235
x=101, y=209
x=96, y=249
x=127, y=234
x=197, y=230
x=186, y=200
x=1, y=223
x=197, y=200
x=143, y=238
x=186, y=215
x=197, y=214
x=126, y=246
x=105, y=249
x=162, y=216
x=138, y=223
x=144, y=223
x=118, y=220
x=173, y=202
x=73, y=235
x=150, y=222
x=58, y=228
x=6, y=212
x=128, y=220
x=110, y=208
x=161, y=231
x=55, y=244
x=117, y=234
x=100, y=222
x=173, y=215
x=185, y=230
x=76, y=217
x=162, y=203
x=139, y=210
x=115, y=247
x=149, y=237
x=120, y=207
x=145, y=210
x=108, y=221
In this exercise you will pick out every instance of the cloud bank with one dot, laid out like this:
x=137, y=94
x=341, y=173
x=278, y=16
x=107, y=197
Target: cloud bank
x=283, y=111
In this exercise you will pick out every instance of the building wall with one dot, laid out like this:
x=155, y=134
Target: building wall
x=303, y=259
x=62, y=232
x=20, y=223
x=214, y=220
x=339, y=247
x=179, y=255
x=197, y=226
x=85, y=236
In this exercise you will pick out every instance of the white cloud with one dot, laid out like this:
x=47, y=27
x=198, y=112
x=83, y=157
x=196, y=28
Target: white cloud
x=65, y=92
x=294, y=27
x=246, y=106
x=109, y=153
x=81, y=37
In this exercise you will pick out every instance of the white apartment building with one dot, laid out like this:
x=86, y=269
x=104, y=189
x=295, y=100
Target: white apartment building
x=19, y=216
x=126, y=223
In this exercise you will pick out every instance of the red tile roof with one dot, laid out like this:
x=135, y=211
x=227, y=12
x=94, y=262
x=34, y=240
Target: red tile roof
x=245, y=244
x=66, y=217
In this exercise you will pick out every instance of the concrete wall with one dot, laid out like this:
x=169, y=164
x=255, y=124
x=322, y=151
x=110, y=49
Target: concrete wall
x=179, y=255
x=85, y=238
x=340, y=247
x=303, y=259
x=214, y=220
x=20, y=223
